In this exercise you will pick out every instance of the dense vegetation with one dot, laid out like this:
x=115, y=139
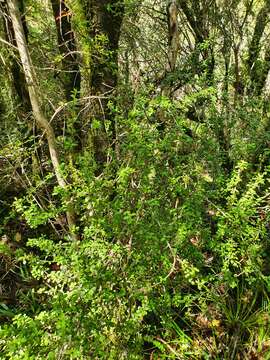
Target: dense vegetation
x=134, y=179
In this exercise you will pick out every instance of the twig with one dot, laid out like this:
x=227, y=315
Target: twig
x=168, y=346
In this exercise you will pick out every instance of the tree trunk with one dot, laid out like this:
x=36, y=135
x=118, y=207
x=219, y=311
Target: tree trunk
x=258, y=70
x=196, y=15
x=70, y=75
x=173, y=33
x=33, y=89
x=104, y=18
x=18, y=78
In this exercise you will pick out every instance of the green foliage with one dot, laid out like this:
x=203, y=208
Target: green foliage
x=171, y=260
x=159, y=241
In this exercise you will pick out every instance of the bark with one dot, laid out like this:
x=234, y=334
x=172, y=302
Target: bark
x=33, y=89
x=192, y=20
x=104, y=20
x=70, y=74
x=196, y=15
x=173, y=48
x=238, y=83
x=258, y=70
x=173, y=33
x=18, y=77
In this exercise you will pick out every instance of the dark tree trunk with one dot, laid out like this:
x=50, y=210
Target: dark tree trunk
x=196, y=15
x=258, y=70
x=104, y=20
x=70, y=74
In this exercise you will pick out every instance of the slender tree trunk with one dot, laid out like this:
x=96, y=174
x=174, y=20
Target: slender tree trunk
x=173, y=48
x=258, y=71
x=238, y=84
x=70, y=74
x=33, y=89
x=173, y=34
x=18, y=78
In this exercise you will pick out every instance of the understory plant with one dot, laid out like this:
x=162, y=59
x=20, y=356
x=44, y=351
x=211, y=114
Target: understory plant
x=172, y=260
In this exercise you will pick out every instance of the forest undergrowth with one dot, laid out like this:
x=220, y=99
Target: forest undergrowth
x=150, y=237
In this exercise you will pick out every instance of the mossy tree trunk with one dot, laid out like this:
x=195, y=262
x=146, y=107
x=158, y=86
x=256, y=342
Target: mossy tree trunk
x=104, y=20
